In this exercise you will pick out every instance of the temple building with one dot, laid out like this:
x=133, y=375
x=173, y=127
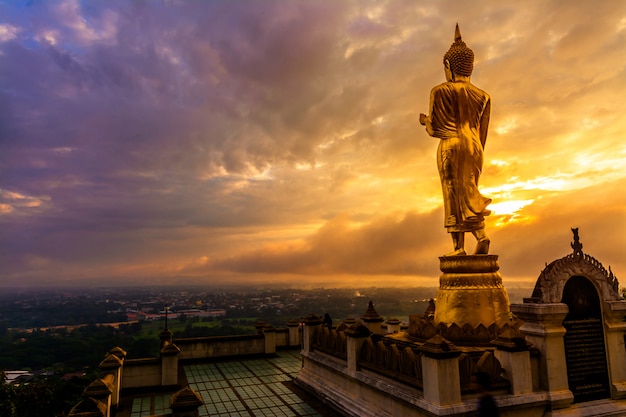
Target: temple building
x=561, y=352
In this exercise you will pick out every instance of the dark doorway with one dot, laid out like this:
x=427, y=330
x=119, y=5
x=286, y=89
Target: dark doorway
x=585, y=353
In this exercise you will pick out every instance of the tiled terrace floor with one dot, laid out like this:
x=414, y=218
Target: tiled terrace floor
x=250, y=387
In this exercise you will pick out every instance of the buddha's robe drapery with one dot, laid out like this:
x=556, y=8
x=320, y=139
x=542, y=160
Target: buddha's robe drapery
x=459, y=116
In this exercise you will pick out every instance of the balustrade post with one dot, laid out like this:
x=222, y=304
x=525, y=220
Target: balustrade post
x=269, y=333
x=112, y=364
x=169, y=364
x=514, y=357
x=294, y=332
x=543, y=327
x=440, y=365
x=311, y=322
x=356, y=335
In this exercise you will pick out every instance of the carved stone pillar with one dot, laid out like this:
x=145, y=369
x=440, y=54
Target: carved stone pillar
x=513, y=354
x=440, y=367
x=112, y=364
x=310, y=323
x=294, y=332
x=543, y=327
x=393, y=325
x=269, y=333
x=356, y=335
x=117, y=384
x=615, y=325
x=101, y=390
x=169, y=364
x=185, y=403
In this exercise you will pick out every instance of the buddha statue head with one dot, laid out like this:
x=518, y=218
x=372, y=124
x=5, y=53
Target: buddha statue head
x=459, y=59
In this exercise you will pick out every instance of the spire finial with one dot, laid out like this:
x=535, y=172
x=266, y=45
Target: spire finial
x=460, y=56
x=576, y=245
x=457, y=33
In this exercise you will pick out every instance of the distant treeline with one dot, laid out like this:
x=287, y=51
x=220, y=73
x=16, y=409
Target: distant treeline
x=85, y=347
x=69, y=312
x=82, y=348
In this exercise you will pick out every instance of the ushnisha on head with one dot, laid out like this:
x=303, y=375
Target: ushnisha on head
x=460, y=57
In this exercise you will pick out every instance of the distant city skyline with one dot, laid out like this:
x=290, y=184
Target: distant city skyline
x=234, y=142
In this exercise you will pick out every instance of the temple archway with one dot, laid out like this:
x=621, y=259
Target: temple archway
x=585, y=350
x=576, y=318
x=551, y=281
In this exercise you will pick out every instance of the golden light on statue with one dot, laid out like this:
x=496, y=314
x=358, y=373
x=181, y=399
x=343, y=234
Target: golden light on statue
x=470, y=287
x=459, y=116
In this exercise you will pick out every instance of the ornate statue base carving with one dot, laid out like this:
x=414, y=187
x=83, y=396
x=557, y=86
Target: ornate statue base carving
x=471, y=291
x=472, y=304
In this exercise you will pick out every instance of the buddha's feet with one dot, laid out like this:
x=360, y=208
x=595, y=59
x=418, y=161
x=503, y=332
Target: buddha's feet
x=458, y=252
x=482, y=246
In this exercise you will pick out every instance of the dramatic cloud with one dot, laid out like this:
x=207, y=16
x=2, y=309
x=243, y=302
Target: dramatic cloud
x=232, y=141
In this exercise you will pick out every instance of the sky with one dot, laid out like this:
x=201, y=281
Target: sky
x=276, y=141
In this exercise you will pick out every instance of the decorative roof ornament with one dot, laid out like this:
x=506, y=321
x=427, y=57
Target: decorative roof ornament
x=551, y=281
x=460, y=56
x=576, y=245
x=371, y=315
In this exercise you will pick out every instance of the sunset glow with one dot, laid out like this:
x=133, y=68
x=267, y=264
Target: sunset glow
x=229, y=142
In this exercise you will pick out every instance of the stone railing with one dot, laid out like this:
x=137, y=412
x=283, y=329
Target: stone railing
x=329, y=341
x=485, y=361
x=394, y=360
x=140, y=373
x=402, y=361
x=221, y=346
x=266, y=341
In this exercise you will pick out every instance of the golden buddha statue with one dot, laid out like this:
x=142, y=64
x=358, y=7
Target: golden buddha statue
x=459, y=116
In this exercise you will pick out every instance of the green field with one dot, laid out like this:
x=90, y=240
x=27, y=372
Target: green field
x=153, y=328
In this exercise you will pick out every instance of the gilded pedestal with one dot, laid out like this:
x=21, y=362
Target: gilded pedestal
x=471, y=292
